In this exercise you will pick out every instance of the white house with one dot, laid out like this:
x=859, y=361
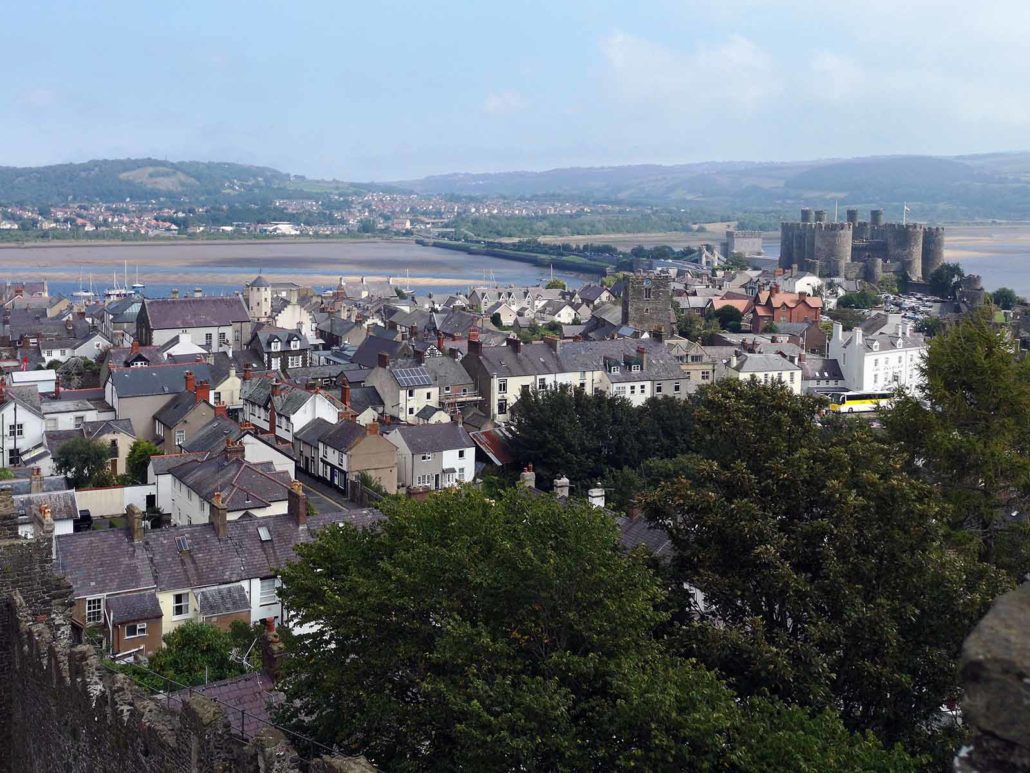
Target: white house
x=433, y=456
x=285, y=409
x=881, y=354
x=765, y=368
x=63, y=349
x=22, y=426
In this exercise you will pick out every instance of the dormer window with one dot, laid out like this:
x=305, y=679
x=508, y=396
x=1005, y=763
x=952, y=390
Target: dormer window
x=613, y=369
x=634, y=368
x=275, y=345
x=876, y=346
x=295, y=343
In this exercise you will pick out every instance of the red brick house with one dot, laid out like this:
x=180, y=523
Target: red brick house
x=774, y=306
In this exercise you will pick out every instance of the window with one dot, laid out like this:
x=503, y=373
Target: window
x=64, y=352
x=180, y=605
x=223, y=339
x=502, y=407
x=647, y=293
x=696, y=358
x=632, y=389
x=275, y=345
x=657, y=389
x=446, y=390
x=218, y=397
x=429, y=395
x=51, y=425
x=295, y=343
x=620, y=390
x=634, y=368
x=94, y=610
x=676, y=386
x=208, y=339
x=411, y=393
x=461, y=473
x=427, y=457
x=461, y=453
x=180, y=437
x=411, y=410
x=688, y=376
x=792, y=378
x=541, y=383
x=293, y=361
x=13, y=457
x=78, y=421
x=268, y=591
x=16, y=430
x=275, y=363
x=135, y=630
x=705, y=375
x=502, y=388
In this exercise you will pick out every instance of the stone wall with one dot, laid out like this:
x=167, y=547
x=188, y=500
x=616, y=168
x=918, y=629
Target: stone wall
x=62, y=709
x=647, y=303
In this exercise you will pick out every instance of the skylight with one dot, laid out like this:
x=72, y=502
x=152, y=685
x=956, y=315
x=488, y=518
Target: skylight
x=263, y=534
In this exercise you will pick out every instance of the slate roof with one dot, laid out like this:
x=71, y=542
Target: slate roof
x=367, y=354
x=62, y=504
x=93, y=429
x=312, y=432
x=250, y=694
x=344, y=435
x=133, y=606
x=458, y=322
x=427, y=412
x=533, y=359
x=259, y=281
x=244, y=485
x=290, y=399
x=658, y=363
x=363, y=398
x=176, y=409
x=635, y=532
x=25, y=396
x=167, y=313
x=167, y=462
x=820, y=368
x=433, y=438
x=447, y=371
x=222, y=600
x=100, y=562
x=207, y=561
x=156, y=380
x=763, y=363
x=213, y=435
x=267, y=334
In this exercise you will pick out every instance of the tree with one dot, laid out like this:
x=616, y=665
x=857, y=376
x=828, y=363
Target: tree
x=555, y=284
x=863, y=299
x=81, y=460
x=945, y=278
x=728, y=317
x=1006, y=298
x=138, y=460
x=193, y=653
x=889, y=284
x=807, y=543
x=468, y=633
x=971, y=436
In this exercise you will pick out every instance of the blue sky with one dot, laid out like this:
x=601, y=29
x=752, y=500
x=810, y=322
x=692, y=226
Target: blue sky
x=389, y=90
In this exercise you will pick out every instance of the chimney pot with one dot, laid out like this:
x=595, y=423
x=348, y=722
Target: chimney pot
x=297, y=504
x=383, y=360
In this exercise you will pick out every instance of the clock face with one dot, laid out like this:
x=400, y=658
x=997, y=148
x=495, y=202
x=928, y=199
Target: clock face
x=647, y=283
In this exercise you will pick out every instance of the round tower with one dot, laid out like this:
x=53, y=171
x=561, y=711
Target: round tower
x=933, y=249
x=853, y=217
x=806, y=215
x=874, y=270
x=905, y=246
x=820, y=216
x=832, y=250
x=876, y=217
x=786, y=244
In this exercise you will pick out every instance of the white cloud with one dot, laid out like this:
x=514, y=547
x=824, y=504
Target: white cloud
x=836, y=78
x=504, y=103
x=736, y=73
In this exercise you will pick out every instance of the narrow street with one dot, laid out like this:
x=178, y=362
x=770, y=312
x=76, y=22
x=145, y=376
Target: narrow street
x=323, y=497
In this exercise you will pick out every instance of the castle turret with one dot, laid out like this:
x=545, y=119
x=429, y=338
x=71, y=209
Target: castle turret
x=876, y=217
x=905, y=246
x=806, y=215
x=832, y=247
x=853, y=217
x=820, y=216
x=933, y=250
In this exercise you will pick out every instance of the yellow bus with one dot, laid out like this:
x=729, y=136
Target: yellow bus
x=858, y=402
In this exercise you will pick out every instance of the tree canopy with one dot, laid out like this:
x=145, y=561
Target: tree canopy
x=1006, y=298
x=470, y=633
x=944, y=279
x=138, y=460
x=82, y=460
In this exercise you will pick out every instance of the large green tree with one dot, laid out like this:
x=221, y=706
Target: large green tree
x=827, y=576
x=944, y=279
x=138, y=460
x=81, y=460
x=513, y=634
x=969, y=435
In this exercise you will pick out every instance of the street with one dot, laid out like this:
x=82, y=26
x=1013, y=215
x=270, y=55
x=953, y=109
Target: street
x=324, y=498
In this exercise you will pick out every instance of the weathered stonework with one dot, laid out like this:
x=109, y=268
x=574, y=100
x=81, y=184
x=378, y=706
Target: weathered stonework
x=647, y=303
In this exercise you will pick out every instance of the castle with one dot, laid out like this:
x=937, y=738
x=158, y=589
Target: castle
x=858, y=249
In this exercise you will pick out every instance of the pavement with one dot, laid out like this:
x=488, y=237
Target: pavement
x=323, y=497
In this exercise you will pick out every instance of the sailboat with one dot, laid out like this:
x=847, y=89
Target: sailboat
x=115, y=292
x=137, y=286
x=82, y=294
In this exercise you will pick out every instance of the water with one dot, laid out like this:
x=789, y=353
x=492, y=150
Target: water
x=224, y=267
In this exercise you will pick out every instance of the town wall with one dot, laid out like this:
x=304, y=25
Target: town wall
x=62, y=709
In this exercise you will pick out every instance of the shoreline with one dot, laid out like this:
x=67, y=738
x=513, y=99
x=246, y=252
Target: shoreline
x=134, y=243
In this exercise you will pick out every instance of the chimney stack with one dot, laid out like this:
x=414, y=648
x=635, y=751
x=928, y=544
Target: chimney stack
x=514, y=343
x=642, y=352
x=203, y=392
x=198, y=292
x=135, y=522
x=475, y=345
x=345, y=392
x=221, y=409
x=440, y=343
x=36, y=481
x=248, y=374
x=219, y=516
x=528, y=477
x=57, y=388
x=276, y=388
x=272, y=649
x=234, y=450
x=561, y=487
x=554, y=342
x=135, y=346
x=297, y=504
x=383, y=360
x=372, y=428
x=596, y=496
x=191, y=384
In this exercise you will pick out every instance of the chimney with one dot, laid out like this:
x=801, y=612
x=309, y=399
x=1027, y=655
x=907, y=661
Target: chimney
x=175, y=293
x=219, y=516
x=297, y=504
x=900, y=328
x=57, y=388
x=561, y=487
x=248, y=374
x=802, y=295
x=3, y=389
x=221, y=409
x=528, y=477
x=554, y=342
x=276, y=388
x=596, y=496
x=440, y=343
x=43, y=522
x=383, y=360
x=203, y=392
x=856, y=336
x=515, y=344
x=733, y=359
x=413, y=332
x=420, y=357
x=191, y=383
x=658, y=334
x=272, y=649
x=134, y=519
x=802, y=357
x=372, y=428
x=642, y=351
x=345, y=392
x=135, y=346
x=36, y=481
x=234, y=450
x=475, y=345
x=838, y=331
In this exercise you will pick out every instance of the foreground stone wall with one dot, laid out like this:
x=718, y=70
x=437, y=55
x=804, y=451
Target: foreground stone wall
x=62, y=710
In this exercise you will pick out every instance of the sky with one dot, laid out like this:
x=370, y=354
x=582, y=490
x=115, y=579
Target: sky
x=397, y=90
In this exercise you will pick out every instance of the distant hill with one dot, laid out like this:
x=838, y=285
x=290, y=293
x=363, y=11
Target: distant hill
x=963, y=187
x=135, y=179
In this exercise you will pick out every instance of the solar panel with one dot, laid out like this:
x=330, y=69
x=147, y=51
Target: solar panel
x=182, y=543
x=263, y=534
x=413, y=377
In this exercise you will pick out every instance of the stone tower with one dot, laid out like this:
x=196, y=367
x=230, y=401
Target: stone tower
x=259, y=299
x=647, y=303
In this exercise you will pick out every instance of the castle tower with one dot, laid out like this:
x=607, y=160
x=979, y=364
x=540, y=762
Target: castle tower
x=646, y=303
x=933, y=250
x=259, y=299
x=905, y=246
x=832, y=247
x=876, y=217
